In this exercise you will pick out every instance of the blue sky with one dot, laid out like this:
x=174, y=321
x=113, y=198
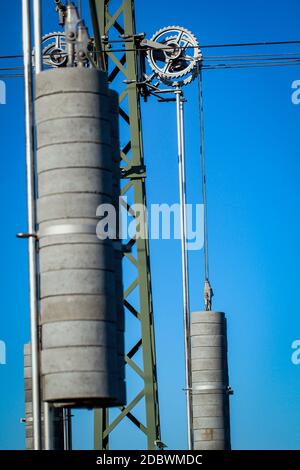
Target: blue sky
x=252, y=148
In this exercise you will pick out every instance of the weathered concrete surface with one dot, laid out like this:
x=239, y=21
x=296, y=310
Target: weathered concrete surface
x=211, y=423
x=81, y=343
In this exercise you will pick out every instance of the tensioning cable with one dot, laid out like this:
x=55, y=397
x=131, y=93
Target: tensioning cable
x=208, y=292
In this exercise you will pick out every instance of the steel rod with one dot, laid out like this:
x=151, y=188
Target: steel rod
x=67, y=418
x=184, y=258
x=70, y=437
x=38, y=59
x=33, y=300
x=37, y=19
x=47, y=426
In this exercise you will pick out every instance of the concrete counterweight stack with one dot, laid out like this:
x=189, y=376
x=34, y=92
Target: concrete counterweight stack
x=80, y=365
x=210, y=386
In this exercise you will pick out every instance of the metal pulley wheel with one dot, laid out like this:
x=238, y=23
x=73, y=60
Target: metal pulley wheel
x=173, y=55
x=54, y=49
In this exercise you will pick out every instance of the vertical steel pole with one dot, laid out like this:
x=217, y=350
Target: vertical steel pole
x=34, y=318
x=37, y=19
x=80, y=8
x=47, y=426
x=70, y=436
x=38, y=57
x=184, y=255
x=67, y=418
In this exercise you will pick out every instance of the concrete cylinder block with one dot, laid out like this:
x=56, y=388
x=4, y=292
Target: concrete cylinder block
x=209, y=435
x=64, y=180
x=201, y=398
x=75, y=171
x=70, y=307
x=210, y=445
x=75, y=334
x=211, y=422
x=212, y=376
x=74, y=155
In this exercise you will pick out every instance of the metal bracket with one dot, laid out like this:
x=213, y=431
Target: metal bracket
x=160, y=445
x=26, y=235
x=211, y=388
x=134, y=172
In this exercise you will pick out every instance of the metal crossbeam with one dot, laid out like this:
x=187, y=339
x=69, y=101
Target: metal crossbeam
x=107, y=23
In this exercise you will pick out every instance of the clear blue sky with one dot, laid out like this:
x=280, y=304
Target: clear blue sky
x=252, y=146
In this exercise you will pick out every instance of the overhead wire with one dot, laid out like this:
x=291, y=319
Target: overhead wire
x=250, y=56
x=250, y=44
x=11, y=76
x=11, y=56
x=207, y=46
x=204, y=46
x=250, y=65
x=10, y=68
x=210, y=62
x=6, y=72
x=205, y=67
x=286, y=55
x=244, y=64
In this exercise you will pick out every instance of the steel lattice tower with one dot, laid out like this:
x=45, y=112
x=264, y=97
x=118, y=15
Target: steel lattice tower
x=124, y=67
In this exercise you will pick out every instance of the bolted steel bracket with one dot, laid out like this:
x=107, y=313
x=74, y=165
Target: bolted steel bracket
x=134, y=172
x=26, y=235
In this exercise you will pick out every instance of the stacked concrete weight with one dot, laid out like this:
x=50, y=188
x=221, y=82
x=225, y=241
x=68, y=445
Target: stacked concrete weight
x=77, y=283
x=118, y=254
x=58, y=431
x=211, y=423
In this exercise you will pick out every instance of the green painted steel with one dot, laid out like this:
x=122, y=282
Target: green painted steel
x=123, y=66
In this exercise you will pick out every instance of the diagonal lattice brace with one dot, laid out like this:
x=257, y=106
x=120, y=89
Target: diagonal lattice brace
x=125, y=410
